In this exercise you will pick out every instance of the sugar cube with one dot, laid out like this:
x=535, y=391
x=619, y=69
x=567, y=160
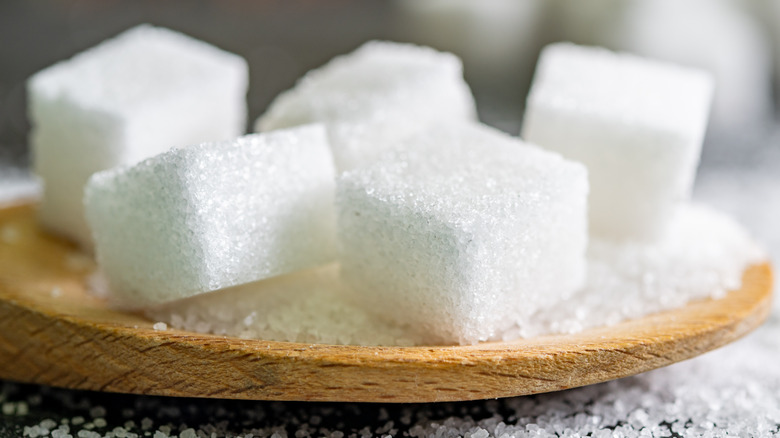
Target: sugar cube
x=127, y=99
x=374, y=97
x=637, y=125
x=210, y=216
x=463, y=232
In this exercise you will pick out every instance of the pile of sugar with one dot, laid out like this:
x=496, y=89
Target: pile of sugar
x=636, y=123
x=704, y=255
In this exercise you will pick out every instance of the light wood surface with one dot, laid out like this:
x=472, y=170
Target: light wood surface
x=52, y=332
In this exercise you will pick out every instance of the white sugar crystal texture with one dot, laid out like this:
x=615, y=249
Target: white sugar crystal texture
x=129, y=98
x=637, y=125
x=374, y=97
x=215, y=215
x=463, y=232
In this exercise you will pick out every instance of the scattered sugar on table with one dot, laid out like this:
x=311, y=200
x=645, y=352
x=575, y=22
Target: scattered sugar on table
x=214, y=215
x=129, y=98
x=637, y=125
x=374, y=97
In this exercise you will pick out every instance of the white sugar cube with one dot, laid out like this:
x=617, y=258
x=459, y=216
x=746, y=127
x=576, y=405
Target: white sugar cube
x=637, y=125
x=210, y=216
x=463, y=232
x=374, y=97
x=129, y=98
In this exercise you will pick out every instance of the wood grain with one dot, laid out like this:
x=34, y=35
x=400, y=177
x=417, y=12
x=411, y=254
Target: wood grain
x=73, y=340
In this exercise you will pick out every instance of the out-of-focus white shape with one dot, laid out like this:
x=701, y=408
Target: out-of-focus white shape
x=636, y=123
x=715, y=35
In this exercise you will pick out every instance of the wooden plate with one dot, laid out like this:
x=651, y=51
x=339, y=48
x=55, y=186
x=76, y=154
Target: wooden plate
x=53, y=333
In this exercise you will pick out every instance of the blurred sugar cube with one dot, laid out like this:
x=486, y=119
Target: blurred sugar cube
x=463, y=232
x=129, y=98
x=637, y=125
x=724, y=40
x=374, y=97
x=215, y=215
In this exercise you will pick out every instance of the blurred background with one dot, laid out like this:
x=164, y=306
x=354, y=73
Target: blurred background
x=498, y=40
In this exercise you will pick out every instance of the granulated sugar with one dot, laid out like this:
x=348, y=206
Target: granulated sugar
x=704, y=255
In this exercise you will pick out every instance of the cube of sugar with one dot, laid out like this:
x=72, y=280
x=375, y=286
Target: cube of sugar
x=463, y=232
x=637, y=125
x=129, y=98
x=374, y=97
x=214, y=215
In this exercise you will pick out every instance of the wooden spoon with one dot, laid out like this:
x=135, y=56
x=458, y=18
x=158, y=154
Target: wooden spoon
x=53, y=333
